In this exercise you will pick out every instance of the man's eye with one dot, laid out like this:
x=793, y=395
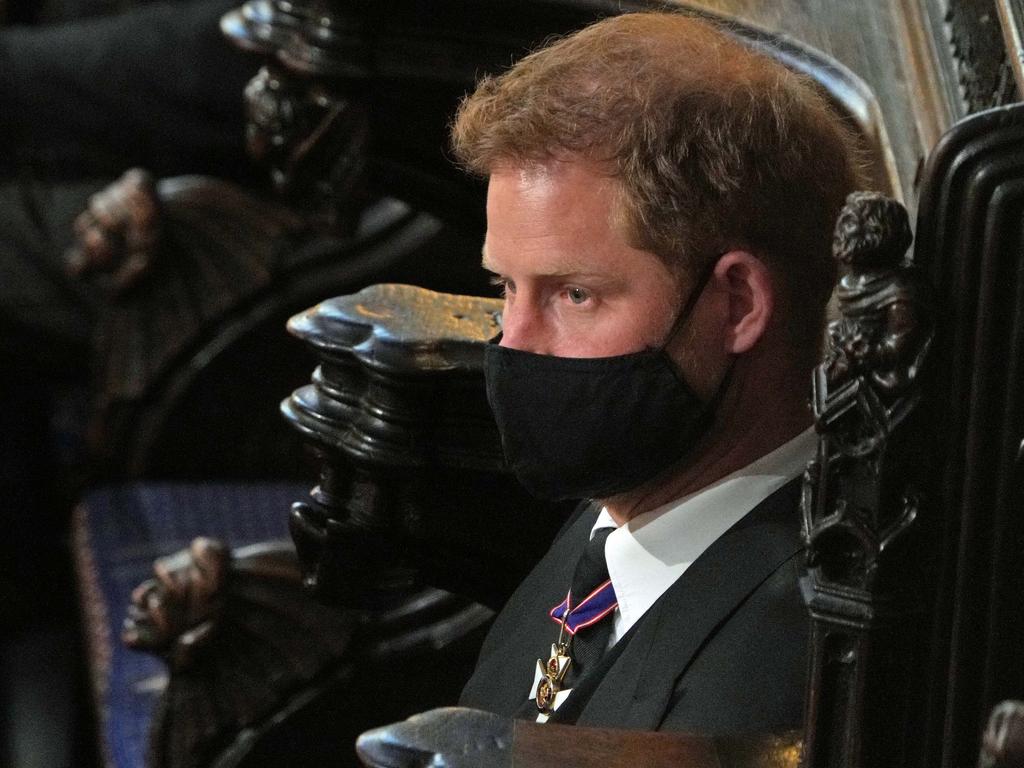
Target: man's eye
x=577, y=295
x=505, y=286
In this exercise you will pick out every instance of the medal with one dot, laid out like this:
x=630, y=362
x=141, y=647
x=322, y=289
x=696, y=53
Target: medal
x=552, y=672
x=592, y=609
x=552, y=675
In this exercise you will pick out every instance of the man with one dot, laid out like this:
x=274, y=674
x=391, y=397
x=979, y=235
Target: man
x=660, y=206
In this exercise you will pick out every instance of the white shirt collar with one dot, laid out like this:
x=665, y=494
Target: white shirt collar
x=650, y=552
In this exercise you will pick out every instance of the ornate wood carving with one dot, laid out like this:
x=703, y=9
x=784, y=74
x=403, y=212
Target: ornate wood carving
x=206, y=271
x=970, y=55
x=240, y=638
x=305, y=123
x=976, y=44
x=224, y=269
x=312, y=140
x=390, y=57
x=251, y=654
x=858, y=499
x=948, y=662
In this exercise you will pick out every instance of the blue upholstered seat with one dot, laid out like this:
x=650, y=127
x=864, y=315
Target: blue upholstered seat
x=117, y=534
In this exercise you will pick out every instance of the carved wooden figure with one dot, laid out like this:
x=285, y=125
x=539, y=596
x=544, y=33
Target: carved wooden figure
x=857, y=499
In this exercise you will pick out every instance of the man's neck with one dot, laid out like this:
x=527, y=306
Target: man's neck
x=735, y=440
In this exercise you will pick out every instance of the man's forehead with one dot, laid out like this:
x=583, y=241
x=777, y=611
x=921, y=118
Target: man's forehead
x=567, y=198
x=567, y=264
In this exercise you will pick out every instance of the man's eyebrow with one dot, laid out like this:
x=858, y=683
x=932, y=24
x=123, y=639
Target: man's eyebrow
x=578, y=271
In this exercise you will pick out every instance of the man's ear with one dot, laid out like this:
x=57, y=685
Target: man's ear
x=750, y=289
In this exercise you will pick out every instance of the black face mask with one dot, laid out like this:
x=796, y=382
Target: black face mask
x=576, y=428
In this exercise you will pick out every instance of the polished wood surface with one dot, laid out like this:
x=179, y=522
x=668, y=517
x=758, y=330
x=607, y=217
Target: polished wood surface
x=549, y=745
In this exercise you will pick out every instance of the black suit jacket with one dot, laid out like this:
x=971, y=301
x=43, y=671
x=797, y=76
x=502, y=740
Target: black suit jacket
x=724, y=650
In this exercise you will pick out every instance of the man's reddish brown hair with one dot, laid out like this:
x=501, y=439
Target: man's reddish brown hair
x=716, y=146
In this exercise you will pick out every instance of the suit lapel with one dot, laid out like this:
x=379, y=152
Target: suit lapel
x=635, y=691
x=523, y=631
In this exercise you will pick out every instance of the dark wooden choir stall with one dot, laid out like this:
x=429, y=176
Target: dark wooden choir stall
x=265, y=650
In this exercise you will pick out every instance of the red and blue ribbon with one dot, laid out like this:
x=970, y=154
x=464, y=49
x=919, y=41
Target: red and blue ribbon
x=588, y=611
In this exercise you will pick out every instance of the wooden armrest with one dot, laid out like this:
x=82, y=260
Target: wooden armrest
x=456, y=737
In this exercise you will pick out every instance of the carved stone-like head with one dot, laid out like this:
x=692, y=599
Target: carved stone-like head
x=301, y=119
x=282, y=113
x=872, y=231
x=182, y=600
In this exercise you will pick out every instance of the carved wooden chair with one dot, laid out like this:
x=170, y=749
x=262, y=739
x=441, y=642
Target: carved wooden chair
x=886, y=637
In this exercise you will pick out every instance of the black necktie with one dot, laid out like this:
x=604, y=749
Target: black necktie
x=590, y=643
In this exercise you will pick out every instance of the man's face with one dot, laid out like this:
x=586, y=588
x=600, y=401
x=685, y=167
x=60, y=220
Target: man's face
x=573, y=286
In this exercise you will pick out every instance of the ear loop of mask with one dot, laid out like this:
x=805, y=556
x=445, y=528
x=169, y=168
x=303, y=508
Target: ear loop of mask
x=703, y=278
x=691, y=301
